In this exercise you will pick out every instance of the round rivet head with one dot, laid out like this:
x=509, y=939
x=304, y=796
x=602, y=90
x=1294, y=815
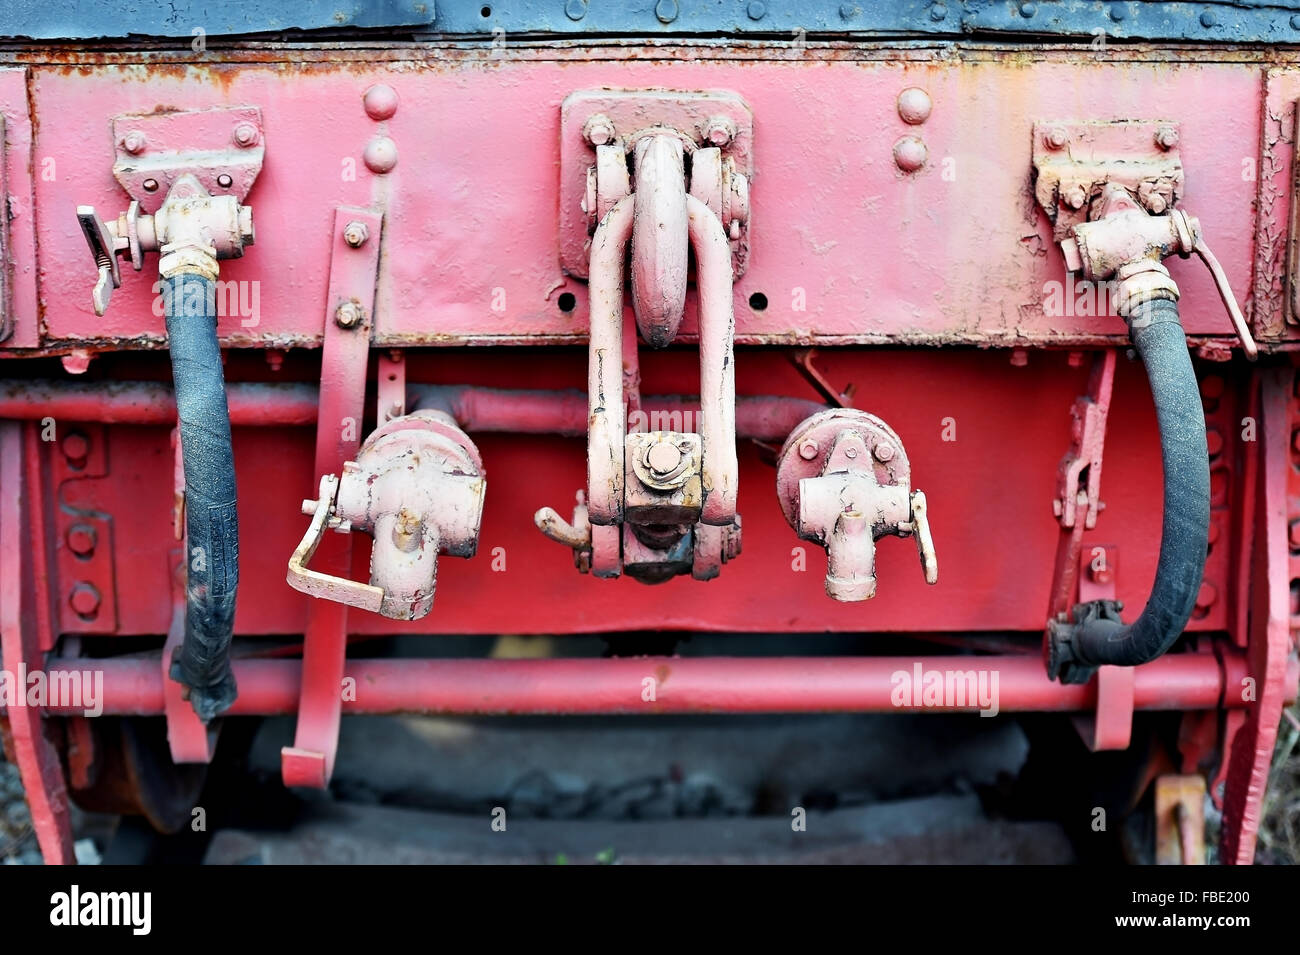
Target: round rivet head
x=938, y=12
x=1117, y=12
x=914, y=105
x=666, y=11
x=1028, y=9
x=84, y=600
x=1295, y=22
x=224, y=181
x=756, y=10
x=910, y=154
x=575, y=9
x=849, y=10
x=1208, y=19
x=380, y=155
x=380, y=101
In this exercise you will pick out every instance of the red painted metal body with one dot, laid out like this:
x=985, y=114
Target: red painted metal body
x=472, y=224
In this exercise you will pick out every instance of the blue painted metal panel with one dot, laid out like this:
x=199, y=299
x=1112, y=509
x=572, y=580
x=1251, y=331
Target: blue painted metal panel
x=1221, y=21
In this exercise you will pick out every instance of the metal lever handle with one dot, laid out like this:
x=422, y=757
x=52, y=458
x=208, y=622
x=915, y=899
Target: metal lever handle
x=1188, y=230
x=326, y=586
x=1229, y=301
x=103, y=247
x=924, y=539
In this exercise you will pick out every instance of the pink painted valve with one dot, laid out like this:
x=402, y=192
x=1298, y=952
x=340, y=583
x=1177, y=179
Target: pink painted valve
x=844, y=482
x=417, y=487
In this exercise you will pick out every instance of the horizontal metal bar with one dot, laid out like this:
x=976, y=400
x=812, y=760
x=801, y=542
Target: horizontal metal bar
x=1229, y=21
x=758, y=417
x=644, y=685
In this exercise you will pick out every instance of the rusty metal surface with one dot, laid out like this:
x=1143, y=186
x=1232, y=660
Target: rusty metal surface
x=989, y=252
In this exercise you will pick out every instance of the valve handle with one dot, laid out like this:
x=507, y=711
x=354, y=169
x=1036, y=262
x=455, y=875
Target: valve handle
x=104, y=246
x=312, y=582
x=924, y=539
x=1189, y=234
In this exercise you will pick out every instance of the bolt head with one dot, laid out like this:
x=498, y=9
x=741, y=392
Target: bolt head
x=1056, y=137
x=663, y=457
x=808, y=449
x=1074, y=197
x=134, y=142
x=719, y=131
x=599, y=130
x=246, y=135
x=1166, y=137
x=938, y=12
x=348, y=315
x=883, y=452
x=355, y=234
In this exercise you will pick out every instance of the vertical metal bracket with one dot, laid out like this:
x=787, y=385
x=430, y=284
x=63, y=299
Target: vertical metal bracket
x=349, y=321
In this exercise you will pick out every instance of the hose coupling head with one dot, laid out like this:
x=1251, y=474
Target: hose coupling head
x=1065, y=662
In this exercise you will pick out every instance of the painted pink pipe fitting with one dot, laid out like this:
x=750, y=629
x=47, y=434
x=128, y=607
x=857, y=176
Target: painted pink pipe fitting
x=417, y=485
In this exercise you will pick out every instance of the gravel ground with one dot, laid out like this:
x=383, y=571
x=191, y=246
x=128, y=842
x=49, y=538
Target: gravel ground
x=17, y=840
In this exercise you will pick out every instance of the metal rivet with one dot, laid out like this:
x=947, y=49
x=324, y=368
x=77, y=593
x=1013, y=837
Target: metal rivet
x=1208, y=19
x=1167, y=137
x=1118, y=12
x=1028, y=9
x=1295, y=22
x=380, y=101
x=666, y=11
x=224, y=181
x=84, y=599
x=808, y=449
x=81, y=539
x=380, y=154
x=756, y=10
x=150, y=185
x=914, y=105
x=938, y=12
x=910, y=154
x=849, y=10
x=134, y=142
x=575, y=9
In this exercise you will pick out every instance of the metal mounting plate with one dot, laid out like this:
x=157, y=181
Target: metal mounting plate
x=200, y=141
x=632, y=112
x=1070, y=156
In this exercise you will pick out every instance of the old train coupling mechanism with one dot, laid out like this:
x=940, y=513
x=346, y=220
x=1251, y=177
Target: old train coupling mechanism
x=662, y=503
x=844, y=482
x=417, y=487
